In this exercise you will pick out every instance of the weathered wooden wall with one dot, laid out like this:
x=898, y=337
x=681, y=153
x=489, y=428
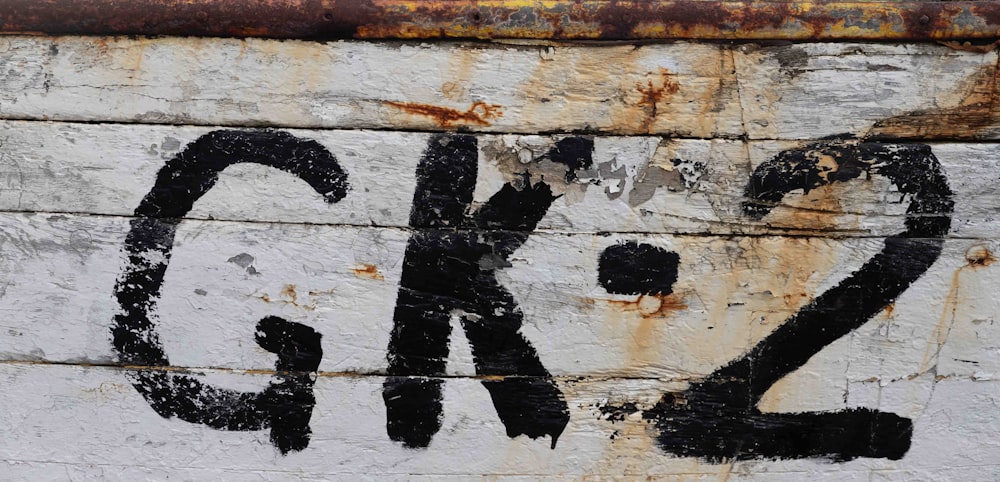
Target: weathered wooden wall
x=693, y=261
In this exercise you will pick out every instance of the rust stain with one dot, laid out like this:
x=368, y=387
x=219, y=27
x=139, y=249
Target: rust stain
x=968, y=46
x=979, y=257
x=781, y=275
x=939, y=336
x=976, y=257
x=479, y=114
x=820, y=211
x=795, y=268
x=459, y=71
x=653, y=92
x=453, y=90
x=291, y=298
x=646, y=331
x=718, y=98
x=650, y=306
x=367, y=270
x=565, y=90
x=484, y=19
x=630, y=434
x=288, y=291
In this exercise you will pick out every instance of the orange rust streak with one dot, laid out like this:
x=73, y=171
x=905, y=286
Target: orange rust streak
x=289, y=292
x=932, y=352
x=977, y=257
x=367, y=270
x=650, y=306
x=479, y=114
x=653, y=93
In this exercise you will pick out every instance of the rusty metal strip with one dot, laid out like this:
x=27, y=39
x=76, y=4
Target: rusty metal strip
x=496, y=19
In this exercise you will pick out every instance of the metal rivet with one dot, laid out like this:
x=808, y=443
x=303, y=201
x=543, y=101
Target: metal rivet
x=924, y=19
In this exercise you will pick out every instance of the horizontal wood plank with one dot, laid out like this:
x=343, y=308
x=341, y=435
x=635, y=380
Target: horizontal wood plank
x=922, y=92
x=619, y=184
x=802, y=91
x=58, y=304
x=365, y=85
x=48, y=408
x=681, y=260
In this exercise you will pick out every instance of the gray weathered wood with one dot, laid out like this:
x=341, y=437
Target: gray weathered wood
x=807, y=91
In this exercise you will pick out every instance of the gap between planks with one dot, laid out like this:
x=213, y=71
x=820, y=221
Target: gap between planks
x=744, y=137
x=781, y=232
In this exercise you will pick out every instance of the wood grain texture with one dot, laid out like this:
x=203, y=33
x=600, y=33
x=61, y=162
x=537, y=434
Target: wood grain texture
x=634, y=184
x=801, y=91
x=244, y=259
x=50, y=408
x=806, y=91
x=364, y=85
x=261, y=243
x=57, y=303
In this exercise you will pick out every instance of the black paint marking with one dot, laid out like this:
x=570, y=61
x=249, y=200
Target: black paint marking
x=575, y=153
x=633, y=269
x=449, y=271
x=714, y=429
x=717, y=418
x=618, y=412
x=286, y=404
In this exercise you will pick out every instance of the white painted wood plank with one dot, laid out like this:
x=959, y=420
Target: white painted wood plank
x=801, y=91
x=262, y=243
x=635, y=184
x=57, y=304
x=50, y=410
x=371, y=85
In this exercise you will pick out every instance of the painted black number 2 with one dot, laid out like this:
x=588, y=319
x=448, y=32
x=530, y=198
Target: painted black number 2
x=717, y=419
